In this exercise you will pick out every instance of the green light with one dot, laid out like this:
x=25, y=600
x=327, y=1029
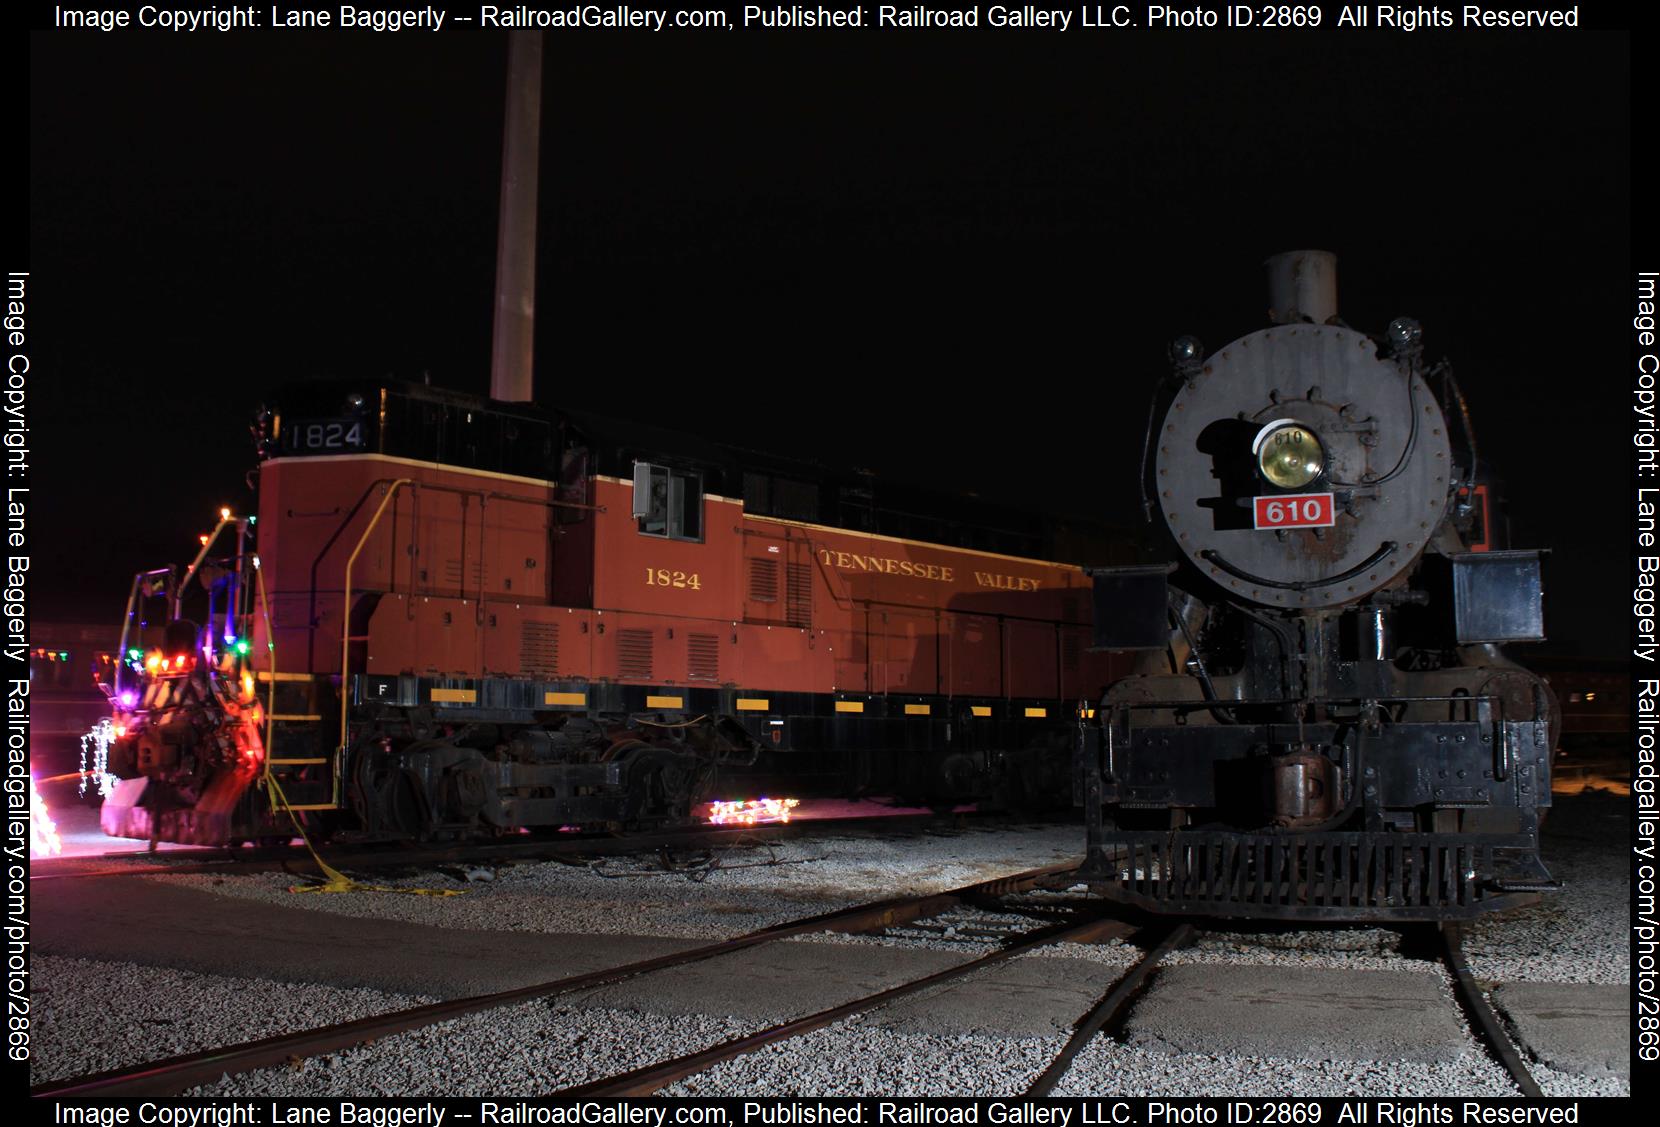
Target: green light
x=63, y=655
x=135, y=653
x=242, y=646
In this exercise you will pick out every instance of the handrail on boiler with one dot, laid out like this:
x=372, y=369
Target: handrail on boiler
x=346, y=618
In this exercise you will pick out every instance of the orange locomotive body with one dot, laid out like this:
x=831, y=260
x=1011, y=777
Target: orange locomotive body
x=444, y=644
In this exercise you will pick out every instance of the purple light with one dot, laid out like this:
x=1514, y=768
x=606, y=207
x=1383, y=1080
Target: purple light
x=129, y=698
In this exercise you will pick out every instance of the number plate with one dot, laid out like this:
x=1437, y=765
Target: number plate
x=1296, y=510
x=305, y=435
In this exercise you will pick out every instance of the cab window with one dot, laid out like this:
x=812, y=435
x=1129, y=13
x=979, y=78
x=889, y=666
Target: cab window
x=668, y=502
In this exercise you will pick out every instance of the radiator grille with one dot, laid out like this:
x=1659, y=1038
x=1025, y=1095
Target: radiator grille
x=763, y=581
x=539, y=648
x=634, y=654
x=703, y=657
x=798, y=595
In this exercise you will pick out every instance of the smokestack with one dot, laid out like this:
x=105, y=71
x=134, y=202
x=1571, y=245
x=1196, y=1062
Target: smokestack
x=513, y=339
x=1302, y=286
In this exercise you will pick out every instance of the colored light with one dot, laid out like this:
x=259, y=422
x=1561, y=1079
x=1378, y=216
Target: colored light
x=135, y=653
x=43, y=832
x=153, y=662
x=224, y=514
x=242, y=647
x=203, y=538
x=97, y=742
x=128, y=698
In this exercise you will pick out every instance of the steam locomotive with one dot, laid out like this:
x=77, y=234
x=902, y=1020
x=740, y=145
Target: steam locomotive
x=1321, y=723
x=455, y=617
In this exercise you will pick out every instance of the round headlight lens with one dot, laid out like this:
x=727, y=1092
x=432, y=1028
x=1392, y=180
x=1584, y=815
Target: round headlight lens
x=1290, y=456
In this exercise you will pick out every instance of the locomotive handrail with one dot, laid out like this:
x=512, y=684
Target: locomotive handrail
x=346, y=618
x=127, y=622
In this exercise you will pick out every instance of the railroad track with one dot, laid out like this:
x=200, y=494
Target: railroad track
x=1159, y=938
x=1055, y=923
x=177, y=1074
x=299, y=861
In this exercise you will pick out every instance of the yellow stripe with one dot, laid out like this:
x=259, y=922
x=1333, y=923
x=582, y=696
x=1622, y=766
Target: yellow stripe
x=979, y=710
x=390, y=460
x=916, y=710
x=454, y=696
x=294, y=762
x=850, y=706
x=851, y=534
x=291, y=716
x=264, y=675
x=1036, y=713
x=568, y=700
x=753, y=704
x=665, y=702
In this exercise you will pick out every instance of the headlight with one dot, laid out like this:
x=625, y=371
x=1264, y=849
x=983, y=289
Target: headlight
x=1288, y=454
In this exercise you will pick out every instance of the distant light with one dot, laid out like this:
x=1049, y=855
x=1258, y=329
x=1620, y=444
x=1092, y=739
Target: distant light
x=224, y=514
x=203, y=538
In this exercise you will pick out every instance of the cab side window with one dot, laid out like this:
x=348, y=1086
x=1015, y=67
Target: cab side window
x=668, y=502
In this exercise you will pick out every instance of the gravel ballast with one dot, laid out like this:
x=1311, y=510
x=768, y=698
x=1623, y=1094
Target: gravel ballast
x=102, y=1015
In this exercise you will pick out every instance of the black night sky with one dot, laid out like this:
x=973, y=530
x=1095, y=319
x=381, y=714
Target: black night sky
x=952, y=257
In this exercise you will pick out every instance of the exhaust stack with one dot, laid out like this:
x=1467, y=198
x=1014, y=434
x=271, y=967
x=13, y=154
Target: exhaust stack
x=1302, y=286
x=513, y=338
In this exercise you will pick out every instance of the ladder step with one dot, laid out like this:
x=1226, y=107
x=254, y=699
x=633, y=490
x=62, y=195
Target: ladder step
x=295, y=716
x=294, y=762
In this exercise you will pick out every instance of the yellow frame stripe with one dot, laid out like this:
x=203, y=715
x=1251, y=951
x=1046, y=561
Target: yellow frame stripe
x=753, y=704
x=918, y=710
x=665, y=702
x=850, y=706
x=454, y=696
x=979, y=710
x=566, y=700
x=1036, y=713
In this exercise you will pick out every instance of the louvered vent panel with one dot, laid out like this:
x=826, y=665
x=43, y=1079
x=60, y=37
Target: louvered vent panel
x=539, y=648
x=453, y=570
x=763, y=581
x=798, y=594
x=634, y=654
x=703, y=657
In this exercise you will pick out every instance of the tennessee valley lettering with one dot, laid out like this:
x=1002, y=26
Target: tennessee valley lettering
x=939, y=573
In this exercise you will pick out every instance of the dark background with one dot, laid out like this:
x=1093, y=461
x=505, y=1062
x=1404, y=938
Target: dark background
x=951, y=257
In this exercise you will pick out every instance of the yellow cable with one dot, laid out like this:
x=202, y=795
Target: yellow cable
x=338, y=881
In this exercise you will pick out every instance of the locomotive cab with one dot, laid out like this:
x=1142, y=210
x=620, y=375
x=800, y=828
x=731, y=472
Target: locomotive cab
x=1322, y=724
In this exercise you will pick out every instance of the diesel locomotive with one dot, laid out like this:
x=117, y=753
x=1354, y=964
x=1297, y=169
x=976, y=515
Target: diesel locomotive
x=454, y=617
x=1321, y=723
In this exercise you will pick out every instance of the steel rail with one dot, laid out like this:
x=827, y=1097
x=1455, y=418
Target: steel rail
x=377, y=854
x=1481, y=1014
x=1107, y=1009
x=175, y=1074
x=648, y=1079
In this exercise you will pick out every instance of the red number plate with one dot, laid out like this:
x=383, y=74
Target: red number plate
x=1296, y=510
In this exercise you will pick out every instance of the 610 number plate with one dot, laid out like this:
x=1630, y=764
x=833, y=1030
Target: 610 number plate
x=1295, y=510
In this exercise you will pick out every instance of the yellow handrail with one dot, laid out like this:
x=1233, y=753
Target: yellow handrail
x=346, y=620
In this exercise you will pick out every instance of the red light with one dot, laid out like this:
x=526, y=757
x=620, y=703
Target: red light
x=203, y=538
